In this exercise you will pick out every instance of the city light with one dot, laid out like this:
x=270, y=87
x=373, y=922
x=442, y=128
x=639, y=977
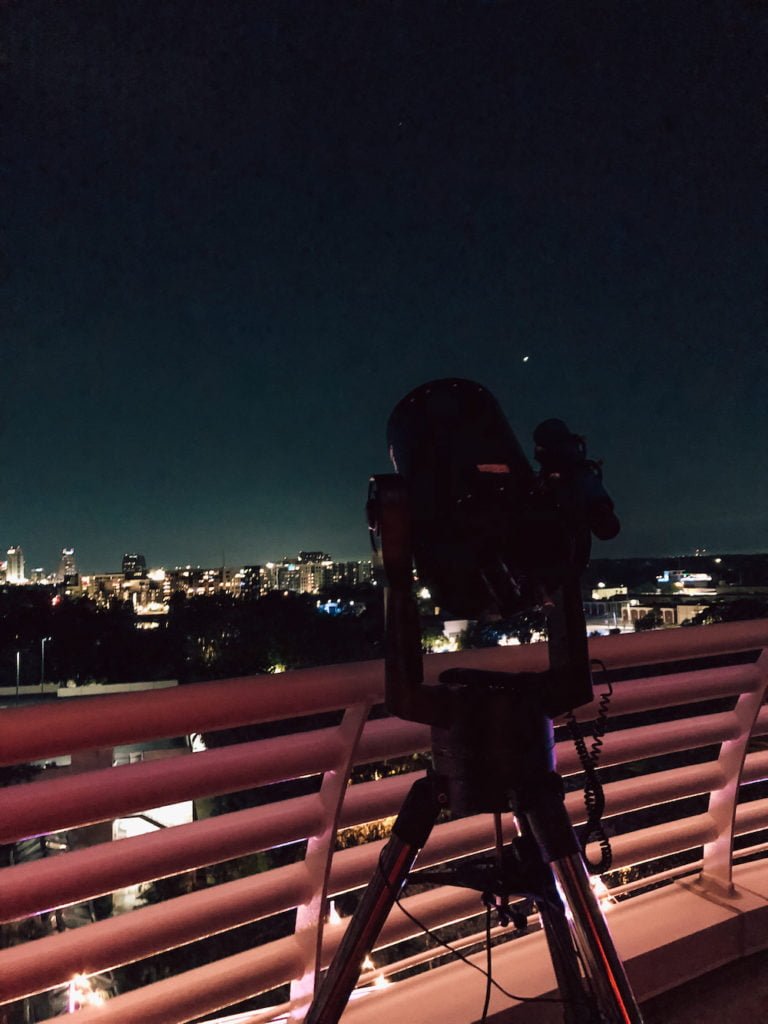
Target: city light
x=603, y=893
x=334, y=917
x=81, y=993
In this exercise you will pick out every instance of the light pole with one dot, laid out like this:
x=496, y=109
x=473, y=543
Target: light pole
x=43, y=641
x=18, y=668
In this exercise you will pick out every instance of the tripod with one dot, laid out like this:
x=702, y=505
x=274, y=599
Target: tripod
x=493, y=752
x=497, y=753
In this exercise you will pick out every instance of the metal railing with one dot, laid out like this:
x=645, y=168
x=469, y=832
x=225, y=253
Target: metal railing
x=691, y=730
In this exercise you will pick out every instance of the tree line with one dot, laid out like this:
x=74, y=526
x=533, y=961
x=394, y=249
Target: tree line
x=73, y=639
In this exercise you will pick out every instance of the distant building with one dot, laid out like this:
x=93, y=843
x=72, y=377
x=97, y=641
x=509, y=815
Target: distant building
x=604, y=593
x=674, y=614
x=134, y=566
x=250, y=581
x=67, y=571
x=314, y=567
x=351, y=574
x=268, y=577
x=14, y=572
x=103, y=587
x=288, y=576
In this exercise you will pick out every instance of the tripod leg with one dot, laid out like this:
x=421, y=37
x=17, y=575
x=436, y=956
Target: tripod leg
x=410, y=832
x=560, y=849
x=604, y=966
x=578, y=1005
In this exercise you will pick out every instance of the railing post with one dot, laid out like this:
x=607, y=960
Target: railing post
x=717, y=873
x=310, y=917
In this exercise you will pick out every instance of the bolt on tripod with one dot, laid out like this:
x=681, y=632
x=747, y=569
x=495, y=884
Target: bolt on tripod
x=492, y=732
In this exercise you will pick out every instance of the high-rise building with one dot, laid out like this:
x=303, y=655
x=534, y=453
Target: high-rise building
x=67, y=569
x=14, y=572
x=134, y=566
x=314, y=567
x=288, y=576
x=251, y=581
x=351, y=574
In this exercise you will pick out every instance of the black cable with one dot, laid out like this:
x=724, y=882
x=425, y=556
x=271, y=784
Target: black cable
x=488, y=966
x=456, y=952
x=594, y=797
x=441, y=942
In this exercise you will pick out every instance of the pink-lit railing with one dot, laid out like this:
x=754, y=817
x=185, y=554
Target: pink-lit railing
x=58, y=804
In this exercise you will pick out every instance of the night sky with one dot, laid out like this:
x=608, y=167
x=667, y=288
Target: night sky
x=235, y=234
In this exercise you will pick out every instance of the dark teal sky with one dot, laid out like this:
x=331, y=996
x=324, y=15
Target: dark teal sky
x=235, y=234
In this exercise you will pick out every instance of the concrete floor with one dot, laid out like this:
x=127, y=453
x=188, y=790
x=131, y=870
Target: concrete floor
x=737, y=992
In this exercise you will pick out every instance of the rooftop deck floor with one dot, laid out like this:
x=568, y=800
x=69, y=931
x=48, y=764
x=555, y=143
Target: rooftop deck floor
x=736, y=991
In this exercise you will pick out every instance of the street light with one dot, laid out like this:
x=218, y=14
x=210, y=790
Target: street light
x=18, y=669
x=43, y=641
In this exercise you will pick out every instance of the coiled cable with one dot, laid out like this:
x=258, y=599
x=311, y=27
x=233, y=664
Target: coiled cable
x=594, y=798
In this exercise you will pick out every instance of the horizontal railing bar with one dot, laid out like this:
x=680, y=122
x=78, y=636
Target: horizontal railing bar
x=50, y=729
x=750, y=851
x=278, y=1014
x=621, y=797
x=43, y=963
x=755, y=767
x=761, y=725
x=203, y=990
x=670, y=875
x=270, y=1014
x=657, y=841
x=631, y=696
x=642, y=791
x=654, y=740
x=751, y=816
x=617, y=652
x=70, y=801
x=371, y=801
x=352, y=868
x=79, y=875
x=667, y=645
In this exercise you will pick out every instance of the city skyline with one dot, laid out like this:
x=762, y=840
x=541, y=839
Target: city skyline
x=599, y=552
x=21, y=566
x=236, y=238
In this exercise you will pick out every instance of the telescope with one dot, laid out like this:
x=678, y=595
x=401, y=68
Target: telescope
x=490, y=537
